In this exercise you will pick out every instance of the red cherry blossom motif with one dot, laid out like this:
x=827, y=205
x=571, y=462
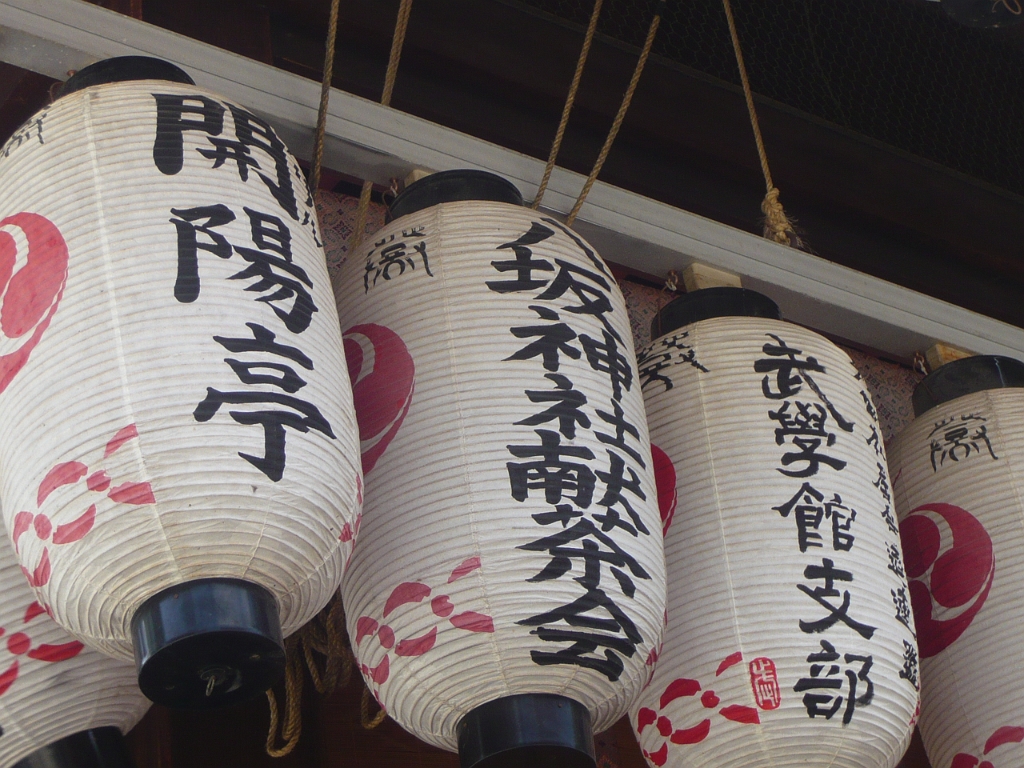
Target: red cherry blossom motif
x=383, y=378
x=948, y=587
x=411, y=593
x=20, y=644
x=665, y=481
x=32, y=293
x=1008, y=734
x=687, y=688
x=70, y=473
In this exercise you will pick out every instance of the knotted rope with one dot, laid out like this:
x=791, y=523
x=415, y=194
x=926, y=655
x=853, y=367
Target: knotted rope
x=777, y=226
x=324, y=635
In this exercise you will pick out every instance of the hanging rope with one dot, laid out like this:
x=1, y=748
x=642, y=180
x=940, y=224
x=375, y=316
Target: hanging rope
x=397, y=41
x=292, y=726
x=569, y=99
x=324, y=635
x=620, y=115
x=776, y=226
x=364, y=712
x=325, y=95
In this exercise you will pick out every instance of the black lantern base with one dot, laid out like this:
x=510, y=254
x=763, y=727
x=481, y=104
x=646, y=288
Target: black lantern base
x=712, y=302
x=531, y=730
x=208, y=643
x=96, y=748
x=965, y=377
x=453, y=187
x=121, y=69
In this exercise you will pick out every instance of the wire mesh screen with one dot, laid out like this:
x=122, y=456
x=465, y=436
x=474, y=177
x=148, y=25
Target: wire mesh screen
x=898, y=71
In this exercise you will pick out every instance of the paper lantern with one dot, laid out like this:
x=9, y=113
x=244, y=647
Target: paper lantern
x=956, y=478
x=790, y=640
x=61, y=704
x=507, y=590
x=177, y=440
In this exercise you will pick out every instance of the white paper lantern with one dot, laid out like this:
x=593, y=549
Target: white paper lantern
x=177, y=443
x=790, y=640
x=957, y=484
x=58, y=699
x=507, y=590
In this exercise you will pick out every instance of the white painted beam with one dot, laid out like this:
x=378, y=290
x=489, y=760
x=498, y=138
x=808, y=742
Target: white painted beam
x=367, y=140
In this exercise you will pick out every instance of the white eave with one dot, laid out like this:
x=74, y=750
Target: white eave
x=367, y=140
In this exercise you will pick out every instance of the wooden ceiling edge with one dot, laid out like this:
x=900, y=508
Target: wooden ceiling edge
x=368, y=140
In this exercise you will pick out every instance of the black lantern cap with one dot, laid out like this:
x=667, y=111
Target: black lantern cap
x=965, y=377
x=208, y=643
x=96, y=748
x=712, y=302
x=530, y=730
x=451, y=187
x=121, y=69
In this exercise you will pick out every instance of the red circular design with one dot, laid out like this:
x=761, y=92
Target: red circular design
x=948, y=586
x=18, y=643
x=665, y=481
x=383, y=378
x=32, y=293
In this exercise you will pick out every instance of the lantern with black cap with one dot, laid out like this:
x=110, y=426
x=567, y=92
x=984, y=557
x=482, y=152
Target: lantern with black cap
x=505, y=597
x=179, y=448
x=785, y=644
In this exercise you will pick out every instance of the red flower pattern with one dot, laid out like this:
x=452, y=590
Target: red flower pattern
x=683, y=688
x=70, y=473
x=406, y=593
x=20, y=644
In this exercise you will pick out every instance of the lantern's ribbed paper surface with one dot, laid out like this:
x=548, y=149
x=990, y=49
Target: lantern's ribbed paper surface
x=511, y=539
x=789, y=639
x=174, y=402
x=50, y=685
x=957, y=478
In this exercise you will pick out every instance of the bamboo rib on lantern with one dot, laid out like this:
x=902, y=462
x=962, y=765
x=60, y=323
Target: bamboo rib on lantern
x=645, y=52
x=570, y=98
x=777, y=225
x=401, y=24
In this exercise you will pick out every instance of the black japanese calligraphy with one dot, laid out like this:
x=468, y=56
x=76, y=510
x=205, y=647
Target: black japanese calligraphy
x=592, y=504
x=957, y=439
x=389, y=258
x=828, y=684
x=829, y=574
x=610, y=629
x=178, y=114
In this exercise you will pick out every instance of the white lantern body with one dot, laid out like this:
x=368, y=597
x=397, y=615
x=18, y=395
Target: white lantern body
x=174, y=403
x=956, y=479
x=51, y=686
x=501, y=424
x=789, y=639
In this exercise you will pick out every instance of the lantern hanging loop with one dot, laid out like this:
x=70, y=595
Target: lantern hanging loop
x=777, y=225
x=570, y=98
x=291, y=726
x=397, y=41
x=364, y=712
x=627, y=97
